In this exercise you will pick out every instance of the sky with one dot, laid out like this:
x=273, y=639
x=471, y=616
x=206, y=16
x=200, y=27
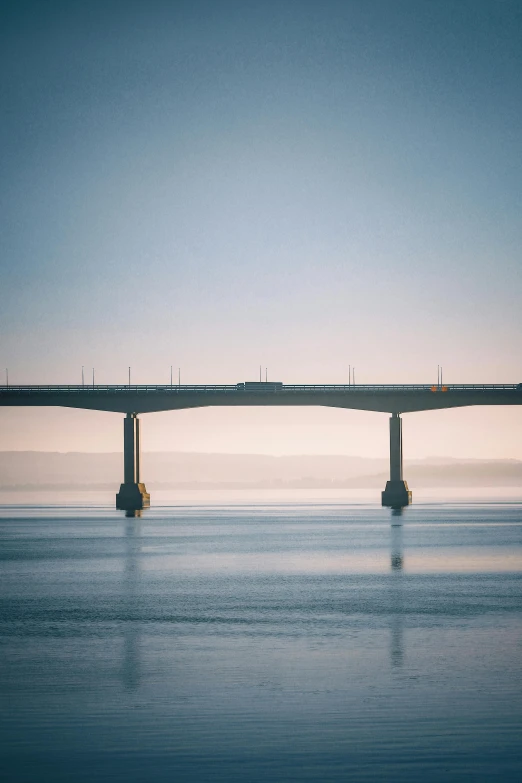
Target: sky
x=295, y=184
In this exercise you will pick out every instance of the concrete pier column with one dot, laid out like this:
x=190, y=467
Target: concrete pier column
x=396, y=494
x=133, y=494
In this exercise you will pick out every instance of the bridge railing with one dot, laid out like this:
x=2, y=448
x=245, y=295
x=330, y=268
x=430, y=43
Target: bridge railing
x=146, y=388
x=404, y=387
x=113, y=388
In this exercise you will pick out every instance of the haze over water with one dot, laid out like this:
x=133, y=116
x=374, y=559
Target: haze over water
x=257, y=636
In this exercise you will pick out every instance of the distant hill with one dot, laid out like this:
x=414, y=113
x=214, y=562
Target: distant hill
x=170, y=470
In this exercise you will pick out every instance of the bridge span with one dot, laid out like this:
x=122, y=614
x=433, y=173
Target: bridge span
x=133, y=400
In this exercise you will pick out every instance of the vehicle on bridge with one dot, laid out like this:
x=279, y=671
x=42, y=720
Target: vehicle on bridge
x=262, y=386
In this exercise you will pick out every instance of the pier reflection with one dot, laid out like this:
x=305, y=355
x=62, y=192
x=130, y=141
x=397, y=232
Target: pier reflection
x=396, y=592
x=130, y=589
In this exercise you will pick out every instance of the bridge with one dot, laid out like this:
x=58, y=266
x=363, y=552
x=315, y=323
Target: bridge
x=133, y=400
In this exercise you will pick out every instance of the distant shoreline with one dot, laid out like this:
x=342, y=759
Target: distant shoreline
x=27, y=471
x=268, y=486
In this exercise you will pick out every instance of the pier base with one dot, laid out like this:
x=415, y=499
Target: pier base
x=133, y=495
x=396, y=494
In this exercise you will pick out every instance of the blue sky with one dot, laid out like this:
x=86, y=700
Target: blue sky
x=302, y=185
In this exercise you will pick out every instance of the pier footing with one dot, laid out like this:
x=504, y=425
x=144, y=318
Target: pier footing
x=396, y=494
x=132, y=497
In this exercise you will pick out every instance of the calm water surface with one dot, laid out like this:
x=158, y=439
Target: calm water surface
x=258, y=639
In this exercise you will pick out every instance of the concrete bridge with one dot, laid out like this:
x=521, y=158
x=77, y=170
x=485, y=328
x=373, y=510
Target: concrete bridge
x=133, y=400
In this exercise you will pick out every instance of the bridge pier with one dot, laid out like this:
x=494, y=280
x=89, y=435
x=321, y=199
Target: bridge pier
x=133, y=494
x=396, y=494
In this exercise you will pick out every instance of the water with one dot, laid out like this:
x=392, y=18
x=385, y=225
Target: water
x=241, y=638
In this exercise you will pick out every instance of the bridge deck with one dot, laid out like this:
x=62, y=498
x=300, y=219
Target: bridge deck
x=392, y=398
x=235, y=387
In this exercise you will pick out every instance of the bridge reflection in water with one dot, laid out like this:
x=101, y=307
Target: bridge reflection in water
x=131, y=668
x=396, y=591
x=130, y=603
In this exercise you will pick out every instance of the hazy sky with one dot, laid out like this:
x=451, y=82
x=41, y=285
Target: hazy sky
x=302, y=185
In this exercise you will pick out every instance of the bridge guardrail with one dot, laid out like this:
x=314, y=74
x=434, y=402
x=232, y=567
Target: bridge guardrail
x=133, y=388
